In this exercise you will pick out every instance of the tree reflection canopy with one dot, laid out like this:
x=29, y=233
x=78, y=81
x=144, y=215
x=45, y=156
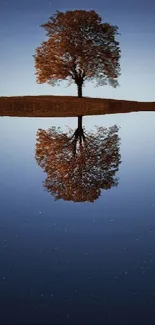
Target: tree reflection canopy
x=78, y=175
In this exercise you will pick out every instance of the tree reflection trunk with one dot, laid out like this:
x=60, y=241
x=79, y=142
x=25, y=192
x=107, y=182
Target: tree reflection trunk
x=80, y=122
x=78, y=135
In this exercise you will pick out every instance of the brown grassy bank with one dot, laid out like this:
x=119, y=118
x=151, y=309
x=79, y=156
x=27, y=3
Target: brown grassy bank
x=63, y=106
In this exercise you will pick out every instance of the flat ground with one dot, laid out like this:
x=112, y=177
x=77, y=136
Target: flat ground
x=63, y=106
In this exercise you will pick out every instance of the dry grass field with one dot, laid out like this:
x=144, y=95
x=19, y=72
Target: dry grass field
x=63, y=106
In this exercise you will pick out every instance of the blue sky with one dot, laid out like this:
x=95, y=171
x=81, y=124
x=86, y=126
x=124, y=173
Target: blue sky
x=20, y=34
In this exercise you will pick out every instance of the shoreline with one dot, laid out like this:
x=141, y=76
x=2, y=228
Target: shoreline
x=68, y=106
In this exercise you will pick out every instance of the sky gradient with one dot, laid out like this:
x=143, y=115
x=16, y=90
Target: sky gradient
x=20, y=34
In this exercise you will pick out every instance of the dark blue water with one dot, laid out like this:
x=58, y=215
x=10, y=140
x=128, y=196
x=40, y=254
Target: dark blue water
x=63, y=262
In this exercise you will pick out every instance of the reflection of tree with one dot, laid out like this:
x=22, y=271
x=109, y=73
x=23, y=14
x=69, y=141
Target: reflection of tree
x=78, y=166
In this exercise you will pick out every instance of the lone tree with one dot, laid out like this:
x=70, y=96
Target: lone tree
x=80, y=47
x=80, y=176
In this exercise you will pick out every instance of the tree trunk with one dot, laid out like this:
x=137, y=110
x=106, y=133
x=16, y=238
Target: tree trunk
x=79, y=86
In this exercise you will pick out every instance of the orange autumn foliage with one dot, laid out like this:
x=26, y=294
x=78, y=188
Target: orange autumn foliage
x=79, y=48
x=78, y=177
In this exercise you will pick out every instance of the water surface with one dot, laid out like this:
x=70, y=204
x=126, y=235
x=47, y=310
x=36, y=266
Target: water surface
x=77, y=263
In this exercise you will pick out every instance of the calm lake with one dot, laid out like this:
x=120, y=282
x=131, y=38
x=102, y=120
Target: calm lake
x=85, y=263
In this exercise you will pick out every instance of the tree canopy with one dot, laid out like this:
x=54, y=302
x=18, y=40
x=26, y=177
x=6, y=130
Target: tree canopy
x=79, y=176
x=80, y=47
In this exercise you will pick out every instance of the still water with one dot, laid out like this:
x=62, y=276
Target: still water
x=63, y=262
